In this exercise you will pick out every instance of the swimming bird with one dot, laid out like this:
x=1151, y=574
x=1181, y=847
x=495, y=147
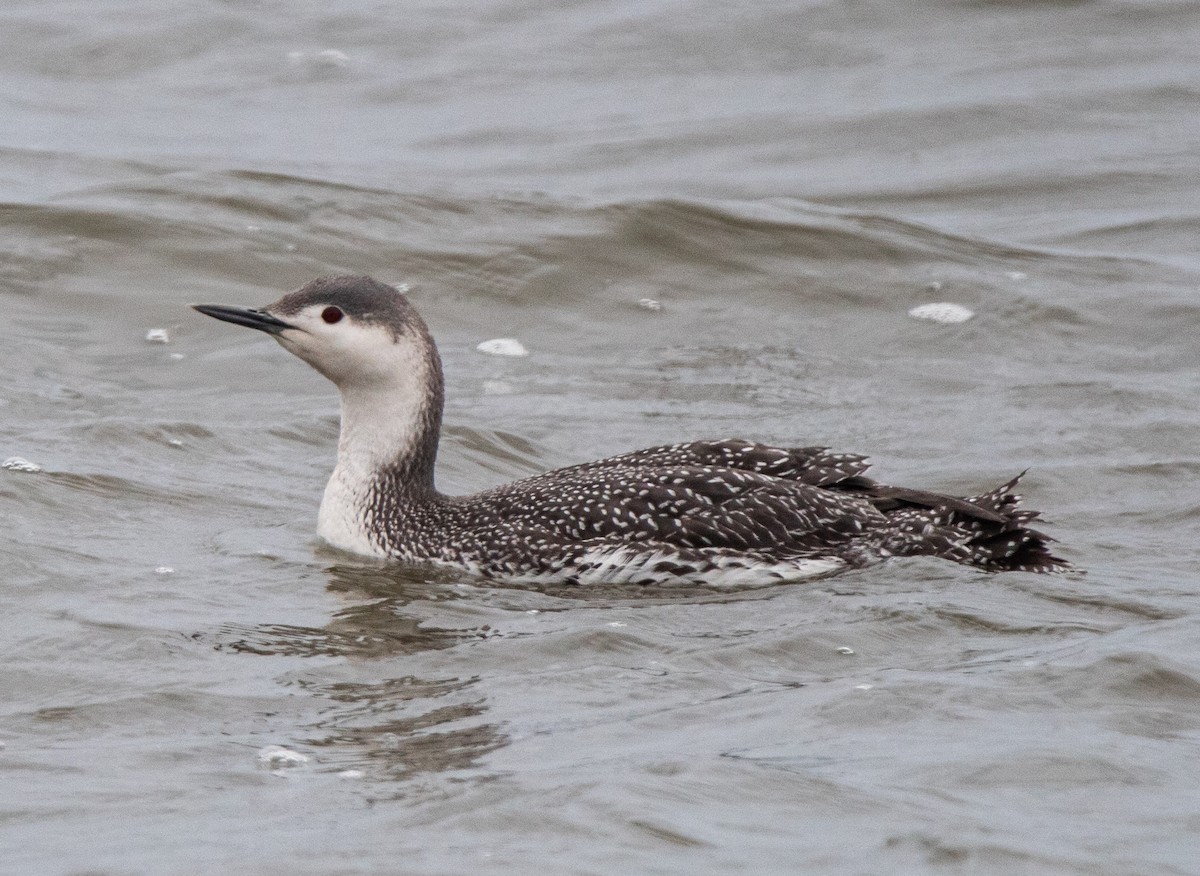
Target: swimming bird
x=722, y=513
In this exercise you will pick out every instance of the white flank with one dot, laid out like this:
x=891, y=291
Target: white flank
x=625, y=565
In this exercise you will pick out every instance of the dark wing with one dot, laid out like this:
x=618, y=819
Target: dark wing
x=687, y=506
x=816, y=466
x=740, y=496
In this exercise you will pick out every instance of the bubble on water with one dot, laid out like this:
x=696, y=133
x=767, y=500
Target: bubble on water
x=863, y=686
x=510, y=347
x=16, y=463
x=945, y=312
x=650, y=304
x=158, y=336
x=351, y=774
x=618, y=624
x=163, y=570
x=390, y=741
x=845, y=650
x=497, y=387
x=331, y=59
x=177, y=356
x=278, y=756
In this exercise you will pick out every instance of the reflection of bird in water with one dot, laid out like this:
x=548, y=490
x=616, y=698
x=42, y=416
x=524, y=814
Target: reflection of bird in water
x=715, y=512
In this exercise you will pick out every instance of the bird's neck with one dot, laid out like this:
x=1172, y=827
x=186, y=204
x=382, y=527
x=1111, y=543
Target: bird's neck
x=387, y=448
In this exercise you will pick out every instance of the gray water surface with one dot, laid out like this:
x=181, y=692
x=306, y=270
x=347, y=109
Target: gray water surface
x=787, y=180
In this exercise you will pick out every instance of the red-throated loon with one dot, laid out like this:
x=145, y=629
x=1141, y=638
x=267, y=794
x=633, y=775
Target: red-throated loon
x=708, y=512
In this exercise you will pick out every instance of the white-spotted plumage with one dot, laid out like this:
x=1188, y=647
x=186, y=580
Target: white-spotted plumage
x=721, y=513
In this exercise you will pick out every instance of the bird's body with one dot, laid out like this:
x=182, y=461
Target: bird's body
x=715, y=512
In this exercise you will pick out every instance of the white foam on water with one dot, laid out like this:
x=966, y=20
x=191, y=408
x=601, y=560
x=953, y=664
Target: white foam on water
x=278, y=756
x=332, y=58
x=16, y=463
x=510, y=347
x=323, y=58
x=942, y=311
x=497, y=387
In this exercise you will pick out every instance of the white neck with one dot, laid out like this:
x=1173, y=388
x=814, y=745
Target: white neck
x=388, y=440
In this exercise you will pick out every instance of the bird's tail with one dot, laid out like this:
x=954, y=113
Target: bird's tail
x=989, y=531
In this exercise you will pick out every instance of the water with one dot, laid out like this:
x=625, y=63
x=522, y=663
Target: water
x=787, y=182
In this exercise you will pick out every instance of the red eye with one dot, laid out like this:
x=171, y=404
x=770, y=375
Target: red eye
x=331, y=315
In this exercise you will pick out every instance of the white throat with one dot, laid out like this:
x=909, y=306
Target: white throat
x=386, y=428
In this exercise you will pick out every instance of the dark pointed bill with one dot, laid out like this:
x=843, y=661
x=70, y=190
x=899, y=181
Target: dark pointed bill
x=247, y=316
